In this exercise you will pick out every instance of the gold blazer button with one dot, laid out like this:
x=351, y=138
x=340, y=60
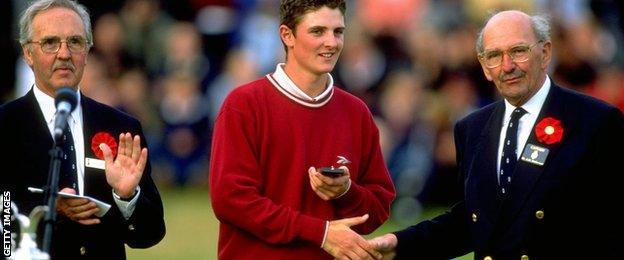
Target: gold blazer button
x=539, y=215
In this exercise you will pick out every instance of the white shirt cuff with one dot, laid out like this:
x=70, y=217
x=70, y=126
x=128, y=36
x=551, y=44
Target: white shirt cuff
x=127, y=207
x=325, y=235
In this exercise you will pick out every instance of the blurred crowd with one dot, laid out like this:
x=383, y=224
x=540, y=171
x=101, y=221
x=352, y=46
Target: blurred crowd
x=413, y=62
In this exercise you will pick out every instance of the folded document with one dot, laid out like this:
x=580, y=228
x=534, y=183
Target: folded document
x=103, y=206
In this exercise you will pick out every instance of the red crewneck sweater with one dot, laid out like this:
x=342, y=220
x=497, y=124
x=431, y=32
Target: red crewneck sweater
x=263, y=144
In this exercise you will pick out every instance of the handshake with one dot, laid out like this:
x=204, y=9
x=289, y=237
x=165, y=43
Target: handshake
x=344, y=243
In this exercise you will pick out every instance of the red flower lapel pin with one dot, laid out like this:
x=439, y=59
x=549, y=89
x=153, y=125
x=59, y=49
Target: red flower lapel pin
x=549, y=131
x=103, y=137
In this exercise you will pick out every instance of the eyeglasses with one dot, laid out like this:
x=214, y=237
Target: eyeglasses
x=75, y=44
x=494, y=58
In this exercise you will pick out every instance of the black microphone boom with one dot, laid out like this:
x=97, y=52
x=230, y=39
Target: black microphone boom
x=65, y=102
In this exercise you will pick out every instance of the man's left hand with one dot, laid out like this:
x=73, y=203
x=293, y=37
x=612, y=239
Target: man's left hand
x=79, y=210
x=124, y=172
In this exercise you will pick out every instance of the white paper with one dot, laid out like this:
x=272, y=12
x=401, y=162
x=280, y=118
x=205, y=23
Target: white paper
x=103, y=206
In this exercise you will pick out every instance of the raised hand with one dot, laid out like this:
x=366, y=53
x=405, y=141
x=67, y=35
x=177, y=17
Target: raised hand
x=328, y=188
x=79, y=210
x=344, y=243
x=124, y=172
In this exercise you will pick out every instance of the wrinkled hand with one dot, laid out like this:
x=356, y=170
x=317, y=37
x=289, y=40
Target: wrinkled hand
x=385, y=244
x=79, y=210
x=124, y=173
x=326, y=187
x=344, y=243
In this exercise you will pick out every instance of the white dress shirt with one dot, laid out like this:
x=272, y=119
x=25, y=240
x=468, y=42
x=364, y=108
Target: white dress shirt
x=526, y=123
x=48, y=109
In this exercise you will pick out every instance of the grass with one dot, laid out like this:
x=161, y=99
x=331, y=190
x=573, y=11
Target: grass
x=192, y=228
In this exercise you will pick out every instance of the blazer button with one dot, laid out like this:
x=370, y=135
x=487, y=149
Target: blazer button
x=474, y=217
x=487, y=258
x=524, y=257
x=131, y=227
x=83, y=250
x=539, y=214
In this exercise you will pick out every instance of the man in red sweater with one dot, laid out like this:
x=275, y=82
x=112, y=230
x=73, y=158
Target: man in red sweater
x=272, y=136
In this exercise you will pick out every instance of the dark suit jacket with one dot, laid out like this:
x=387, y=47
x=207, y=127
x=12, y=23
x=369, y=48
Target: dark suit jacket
x=26, y=141
x=565, y=209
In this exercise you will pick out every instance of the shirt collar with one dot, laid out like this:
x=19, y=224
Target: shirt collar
x=284, y=84
x=535, y=103
x=48, y=108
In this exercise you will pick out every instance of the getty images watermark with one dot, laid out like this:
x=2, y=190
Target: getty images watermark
x=6, y=223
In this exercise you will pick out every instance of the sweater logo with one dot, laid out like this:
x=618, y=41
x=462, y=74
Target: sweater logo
x=342, y=160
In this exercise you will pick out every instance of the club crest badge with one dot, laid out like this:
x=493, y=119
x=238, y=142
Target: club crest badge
x=534, y=154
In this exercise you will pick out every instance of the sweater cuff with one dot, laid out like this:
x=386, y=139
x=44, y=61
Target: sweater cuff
x=354, y=193
x=312, y=229
x=347, y=190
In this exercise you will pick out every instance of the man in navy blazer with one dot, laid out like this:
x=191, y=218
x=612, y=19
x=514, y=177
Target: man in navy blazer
x=110, y=164
x=559, y=200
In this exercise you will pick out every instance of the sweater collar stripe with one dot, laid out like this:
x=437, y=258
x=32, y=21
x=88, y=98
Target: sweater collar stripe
x=283, y=84
x=313, y=104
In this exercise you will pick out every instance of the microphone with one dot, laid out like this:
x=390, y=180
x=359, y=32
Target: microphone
x=65, y=102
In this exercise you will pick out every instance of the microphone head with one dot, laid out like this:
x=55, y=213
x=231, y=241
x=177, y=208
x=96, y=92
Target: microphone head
x=66, y=94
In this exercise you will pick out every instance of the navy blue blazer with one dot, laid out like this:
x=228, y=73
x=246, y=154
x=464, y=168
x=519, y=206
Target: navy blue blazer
x=565, y=209
x=26, y=140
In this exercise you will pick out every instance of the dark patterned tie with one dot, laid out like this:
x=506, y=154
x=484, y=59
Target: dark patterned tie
x=509, y=156
x=68, y=174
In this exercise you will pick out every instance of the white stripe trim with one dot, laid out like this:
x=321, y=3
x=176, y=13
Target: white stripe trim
x=286, y=86
x=294, y=98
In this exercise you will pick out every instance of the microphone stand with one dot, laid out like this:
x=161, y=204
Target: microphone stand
x=51, y=193
x=65, y=102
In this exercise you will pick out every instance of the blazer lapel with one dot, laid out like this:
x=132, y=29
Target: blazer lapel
x=527, y=175
x=40, y=129
x=88, y=125
x=95, y=179
x=39, y=141
x=482, y=175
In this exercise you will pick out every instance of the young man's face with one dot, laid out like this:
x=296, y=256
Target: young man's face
x=318, y=42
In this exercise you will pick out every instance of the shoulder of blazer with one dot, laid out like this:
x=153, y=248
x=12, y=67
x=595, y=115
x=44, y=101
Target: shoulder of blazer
x=25, y=102
x=584, y=112
x=102, y=111
x=479, y=117
x=581, y=101
x=19, y=111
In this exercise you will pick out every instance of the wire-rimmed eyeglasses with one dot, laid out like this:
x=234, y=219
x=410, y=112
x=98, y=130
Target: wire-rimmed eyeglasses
x=518, y=53
x=75, y=44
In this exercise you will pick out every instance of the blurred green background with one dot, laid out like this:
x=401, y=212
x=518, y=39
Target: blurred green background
x=192, y=228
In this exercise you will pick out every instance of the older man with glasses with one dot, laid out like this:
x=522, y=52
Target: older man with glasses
x=103, y=149
x=540, y=168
